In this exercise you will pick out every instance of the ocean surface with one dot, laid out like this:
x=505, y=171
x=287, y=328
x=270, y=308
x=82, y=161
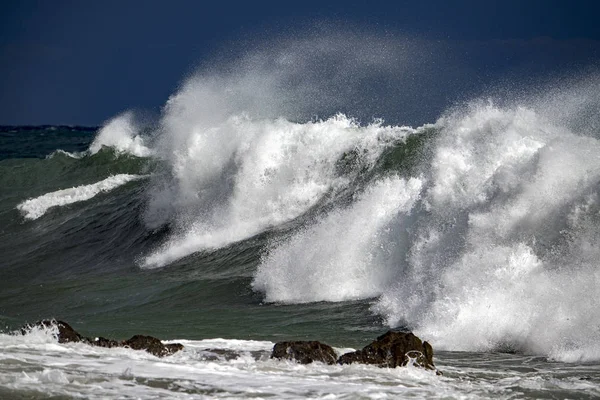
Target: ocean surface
x=223, y=228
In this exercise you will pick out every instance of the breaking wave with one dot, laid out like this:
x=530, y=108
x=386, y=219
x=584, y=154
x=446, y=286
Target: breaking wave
x=121, y=134
x=36, y=207
x=479, y=232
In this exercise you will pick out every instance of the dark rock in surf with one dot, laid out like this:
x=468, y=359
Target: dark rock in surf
x=304, y=352
x=65, y=334
x=173, y=348
x=103, y=342
x=393, y=349
x=152, y=345
x=219, y=355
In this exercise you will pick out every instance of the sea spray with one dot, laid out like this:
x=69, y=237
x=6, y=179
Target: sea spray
x=497, y=254
x=495, y=244
x=121, y=134
x=236, y=179
x=349, y=254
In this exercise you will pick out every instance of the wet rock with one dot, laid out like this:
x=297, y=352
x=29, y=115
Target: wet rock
x=393, y=349
x=173, y=348
x=66, y=334
x=304, y=352
x=103, y=342
x=152, y=345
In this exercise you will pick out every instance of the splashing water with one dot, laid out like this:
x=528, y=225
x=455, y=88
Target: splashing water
x=121, y=133
x=491, y=245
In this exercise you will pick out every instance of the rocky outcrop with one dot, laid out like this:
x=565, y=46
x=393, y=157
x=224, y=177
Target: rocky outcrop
x=66, y=334
x=152, y=345
x=304, y=352
x=103, y=342
x=393, y=349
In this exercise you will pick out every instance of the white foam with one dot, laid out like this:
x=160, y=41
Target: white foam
x=234, y=179
x=28, y=365
x=80, y=370
x=504, y=256
x=500, y=254
x=38, y=206
x=347, y=255
x=121, y=133
x=76, y=155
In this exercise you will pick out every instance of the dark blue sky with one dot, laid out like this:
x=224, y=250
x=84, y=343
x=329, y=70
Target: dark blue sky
x=82, y=62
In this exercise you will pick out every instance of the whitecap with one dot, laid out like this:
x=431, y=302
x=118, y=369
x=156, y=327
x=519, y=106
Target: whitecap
x=36, y=207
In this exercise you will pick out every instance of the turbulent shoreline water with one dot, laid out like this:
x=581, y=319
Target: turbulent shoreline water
x=478, y=232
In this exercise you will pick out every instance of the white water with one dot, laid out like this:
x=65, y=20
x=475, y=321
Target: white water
x=359, y=262
x=59, y=152
x=36, y=366
x=235, y=179
x=121, y=134
x=504, y=255
x=494, y=247
x=36, y=207
x=500, y=253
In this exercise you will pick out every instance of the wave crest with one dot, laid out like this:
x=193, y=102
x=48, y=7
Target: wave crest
x=36, y=207
x=122, y=134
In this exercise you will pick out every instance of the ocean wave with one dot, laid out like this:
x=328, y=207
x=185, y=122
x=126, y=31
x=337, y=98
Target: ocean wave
x=488, y=245
x=64, y=153
x=36, y=207
x=236, y=179
x=497, y=254
x=122, y=134
x=502, y=257
x=347, y=255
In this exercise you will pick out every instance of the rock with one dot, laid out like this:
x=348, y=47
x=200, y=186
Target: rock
x=66, y=334
x=152, y=345
x=304, y=352
x=393, y=349
x=219, y=355
x=173, y=348
x=103, y=342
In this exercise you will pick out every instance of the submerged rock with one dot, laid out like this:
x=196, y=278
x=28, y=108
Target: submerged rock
x=219, y=355
x=304, y=352
x=103, y=342
x=393, y=349
x=66, y=334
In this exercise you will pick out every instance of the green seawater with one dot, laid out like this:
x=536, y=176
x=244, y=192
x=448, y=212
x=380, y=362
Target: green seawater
x=82, y=263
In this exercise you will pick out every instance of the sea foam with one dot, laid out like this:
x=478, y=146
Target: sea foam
x=492, y=246
x=348, y=255
x=497, y=253
x=121, y=134
x=237, y=178
x=36, y=207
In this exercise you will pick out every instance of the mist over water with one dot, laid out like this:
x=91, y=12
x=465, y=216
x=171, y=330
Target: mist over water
x=254, y=144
